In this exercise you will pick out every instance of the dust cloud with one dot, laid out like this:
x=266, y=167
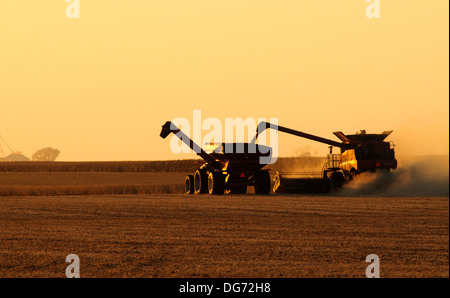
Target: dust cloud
x=415, y=176
x=301, y=160
x=299, y=164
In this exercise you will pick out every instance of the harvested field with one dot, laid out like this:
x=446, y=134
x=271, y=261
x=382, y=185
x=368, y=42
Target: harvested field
x=187, y=165
x=109, y=177
x=224, y=236
x=89, y=183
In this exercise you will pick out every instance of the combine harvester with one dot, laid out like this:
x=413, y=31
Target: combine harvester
x=235, y=170
x=360, y=153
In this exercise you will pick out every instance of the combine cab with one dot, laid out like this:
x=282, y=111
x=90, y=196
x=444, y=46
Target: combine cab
x=360, y=153
x=366, y=152
x=229, y=170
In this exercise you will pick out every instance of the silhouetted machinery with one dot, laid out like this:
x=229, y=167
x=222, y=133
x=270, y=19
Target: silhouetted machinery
x=360, y=152
x=230, y=169
x=237, y=165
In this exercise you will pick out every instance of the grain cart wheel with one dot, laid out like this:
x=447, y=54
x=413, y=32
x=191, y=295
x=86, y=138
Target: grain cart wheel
x=216, y=183
x=262, y=182
x=189, y=185
x=200, y=181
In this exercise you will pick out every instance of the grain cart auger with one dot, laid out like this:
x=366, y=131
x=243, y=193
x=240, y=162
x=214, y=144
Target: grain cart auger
x=229, y=168
x=360, y=152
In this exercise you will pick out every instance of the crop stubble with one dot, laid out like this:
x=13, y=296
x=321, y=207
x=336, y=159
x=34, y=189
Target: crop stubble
x=224, y=236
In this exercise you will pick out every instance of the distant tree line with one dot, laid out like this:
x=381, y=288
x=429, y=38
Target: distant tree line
x=45, y=154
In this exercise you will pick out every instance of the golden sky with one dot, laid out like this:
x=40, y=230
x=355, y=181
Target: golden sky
x=100, y=87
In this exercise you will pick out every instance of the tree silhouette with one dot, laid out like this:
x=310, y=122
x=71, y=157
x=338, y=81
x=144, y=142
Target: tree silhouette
x=45, y=154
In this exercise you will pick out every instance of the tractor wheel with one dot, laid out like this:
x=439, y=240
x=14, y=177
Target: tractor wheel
x=200, y=182
x=262, y=182
x=352, y=174
x=337, y=180
x=189, y=185
x=216, y=183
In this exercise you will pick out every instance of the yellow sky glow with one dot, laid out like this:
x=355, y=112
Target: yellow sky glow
x=100, y=87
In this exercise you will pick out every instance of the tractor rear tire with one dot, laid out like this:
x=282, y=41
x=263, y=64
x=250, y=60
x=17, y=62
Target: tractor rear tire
x=189, y=185
x=262, y=182
x=216, y=183
x=200, y=182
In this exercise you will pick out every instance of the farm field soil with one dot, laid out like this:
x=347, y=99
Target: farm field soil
x=223, y=236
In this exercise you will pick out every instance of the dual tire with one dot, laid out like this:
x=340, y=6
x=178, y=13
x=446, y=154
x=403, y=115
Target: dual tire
x=197, y=183
x=214, y=183
x=201, y=183
x=189, y=185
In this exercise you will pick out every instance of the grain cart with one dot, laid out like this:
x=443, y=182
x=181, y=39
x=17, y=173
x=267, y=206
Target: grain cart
x=229, y=169
x=360, y=152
